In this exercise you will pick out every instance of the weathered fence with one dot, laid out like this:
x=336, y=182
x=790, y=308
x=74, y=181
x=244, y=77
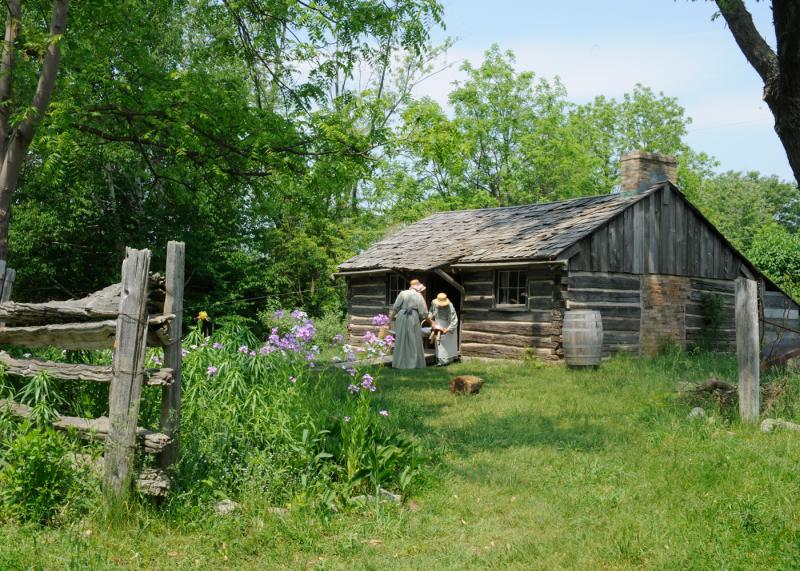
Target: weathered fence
x=144, y=309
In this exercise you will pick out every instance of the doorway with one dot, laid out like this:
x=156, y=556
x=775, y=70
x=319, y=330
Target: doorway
x=435, y=285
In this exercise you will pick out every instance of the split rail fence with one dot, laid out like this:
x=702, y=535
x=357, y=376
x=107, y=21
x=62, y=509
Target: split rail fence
x=143, y=309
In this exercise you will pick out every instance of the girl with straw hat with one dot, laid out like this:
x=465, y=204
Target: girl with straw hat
x=409, y=312
x=445, y=324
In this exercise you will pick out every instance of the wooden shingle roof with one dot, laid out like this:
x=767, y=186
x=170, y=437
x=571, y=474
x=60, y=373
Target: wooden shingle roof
x=505, y=234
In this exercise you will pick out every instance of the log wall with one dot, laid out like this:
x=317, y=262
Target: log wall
x=617, y=297
x=366, y=297
x=491, y=332
x=698, y=330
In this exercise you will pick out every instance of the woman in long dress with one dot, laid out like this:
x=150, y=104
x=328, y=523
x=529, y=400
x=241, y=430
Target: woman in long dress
x=443, y=316
x=409, y=311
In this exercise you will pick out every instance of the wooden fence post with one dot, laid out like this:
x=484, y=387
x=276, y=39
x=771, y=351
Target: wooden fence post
x=127, y=377
x=8, y=284
x=171, y=395
x=747, y=349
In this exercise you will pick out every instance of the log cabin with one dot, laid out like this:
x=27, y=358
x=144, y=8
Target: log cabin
x=657, y=270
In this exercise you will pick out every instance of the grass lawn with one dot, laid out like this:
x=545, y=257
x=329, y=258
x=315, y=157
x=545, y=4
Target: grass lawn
x=546, y=469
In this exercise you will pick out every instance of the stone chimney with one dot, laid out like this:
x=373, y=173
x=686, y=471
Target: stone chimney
x=642, y=170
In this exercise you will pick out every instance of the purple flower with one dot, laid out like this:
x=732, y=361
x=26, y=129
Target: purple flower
x=389, y=340
x=279, y=314
x=380, y=320
x=370, y=338
x=184, y=352
x=293, y=379
x=337, y=339
x=156, y=360
x=211, y=371
x=244, y=349
x=384, y=412
x=347, y=419
x=351, y=372
x=305, y=332
x=266, y=350
x=298, y=314
x=217, y=345
x=353, y=389
x=252, y=353
x=366, y=383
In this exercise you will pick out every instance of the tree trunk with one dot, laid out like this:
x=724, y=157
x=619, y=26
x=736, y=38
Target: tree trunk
x=15, y=143
x=779, y=71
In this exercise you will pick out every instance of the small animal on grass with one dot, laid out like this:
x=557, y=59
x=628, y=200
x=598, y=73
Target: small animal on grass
x=466, y=385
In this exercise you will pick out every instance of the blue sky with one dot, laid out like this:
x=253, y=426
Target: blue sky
x=606, y=47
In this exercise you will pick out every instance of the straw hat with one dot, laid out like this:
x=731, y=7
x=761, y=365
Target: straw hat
x=441, y=300
x=416, y=285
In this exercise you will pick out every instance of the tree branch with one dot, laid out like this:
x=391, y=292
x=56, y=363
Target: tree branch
x=47, y=77
x=752, y=44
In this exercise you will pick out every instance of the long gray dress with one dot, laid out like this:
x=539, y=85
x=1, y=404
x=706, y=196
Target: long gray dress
x=409, y=310
x=447, y=346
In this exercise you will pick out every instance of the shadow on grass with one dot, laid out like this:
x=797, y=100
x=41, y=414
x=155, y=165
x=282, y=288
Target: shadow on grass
x=491, y=432
x=476, y=431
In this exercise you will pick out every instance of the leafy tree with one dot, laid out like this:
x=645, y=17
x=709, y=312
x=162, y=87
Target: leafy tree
x=776, y=252
x=514, y=139
x=777, y=68
x=741, y=204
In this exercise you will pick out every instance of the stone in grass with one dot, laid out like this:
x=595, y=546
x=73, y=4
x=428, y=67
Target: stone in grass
x=771, y=424
x=384, y=495
x=226, y=507
x=466, y=385
x=696, y=413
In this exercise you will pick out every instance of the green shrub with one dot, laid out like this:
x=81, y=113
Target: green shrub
x=37, y=480
x=260, y=419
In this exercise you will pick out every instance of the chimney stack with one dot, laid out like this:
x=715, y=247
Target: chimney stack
x=641, y=170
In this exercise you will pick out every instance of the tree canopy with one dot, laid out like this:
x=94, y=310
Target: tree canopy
x=278, y=138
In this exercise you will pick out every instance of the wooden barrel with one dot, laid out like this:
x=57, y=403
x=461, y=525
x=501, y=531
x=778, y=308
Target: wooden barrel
x=583, y=338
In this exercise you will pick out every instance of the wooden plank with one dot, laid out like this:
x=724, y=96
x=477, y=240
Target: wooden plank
x=8, y=285
x=529, y=329
x=679, y=211
x=618, y=309
x=29, y=368
x=529, y=316
x=666, y=247
x=628, y=238
x=614, y=246
x=91, y=335
x=171, y=395
x=639, y=237
x=654, y=234
x=92, y=428
x=88, y=335
x=720, y=286
x=747, y=349
x=602, y=295
x=503, y=351
x=595, y=280
x=365, y=311
x=601, y=237
x=507, y=339
x=126, y=385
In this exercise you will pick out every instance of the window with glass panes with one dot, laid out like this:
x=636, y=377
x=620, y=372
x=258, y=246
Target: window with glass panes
x=512, y=287
x=395, y=283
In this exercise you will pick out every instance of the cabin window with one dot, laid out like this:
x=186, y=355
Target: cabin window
x=395, y=283
x=512, y=287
